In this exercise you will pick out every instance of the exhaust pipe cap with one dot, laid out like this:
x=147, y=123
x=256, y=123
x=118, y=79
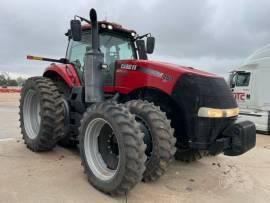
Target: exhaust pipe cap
x=93, y=15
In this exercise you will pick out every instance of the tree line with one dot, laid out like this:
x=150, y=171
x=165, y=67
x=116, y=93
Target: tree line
x=5, y=80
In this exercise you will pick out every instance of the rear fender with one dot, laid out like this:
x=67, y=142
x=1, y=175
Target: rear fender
x=65, y=71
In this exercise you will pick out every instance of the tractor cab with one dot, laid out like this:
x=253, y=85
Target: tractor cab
x=115, y=42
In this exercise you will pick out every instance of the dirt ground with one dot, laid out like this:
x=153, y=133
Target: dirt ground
x=57, y=176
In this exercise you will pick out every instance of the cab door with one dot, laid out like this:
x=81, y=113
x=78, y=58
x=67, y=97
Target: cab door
x=242, y=88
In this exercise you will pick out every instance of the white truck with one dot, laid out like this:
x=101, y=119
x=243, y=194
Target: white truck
x=250, y=84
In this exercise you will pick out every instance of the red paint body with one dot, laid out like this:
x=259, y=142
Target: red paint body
x=67, y=72
x=127, y=81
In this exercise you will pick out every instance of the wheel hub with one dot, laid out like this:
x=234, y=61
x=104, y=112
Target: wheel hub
x=147, y=136
x=101, y=149
x=108, y=147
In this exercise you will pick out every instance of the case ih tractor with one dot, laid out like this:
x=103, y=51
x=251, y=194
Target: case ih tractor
x=129, y=116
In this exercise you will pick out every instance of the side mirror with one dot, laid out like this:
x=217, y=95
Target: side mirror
x=76, y=30
x=150, y=45
x=141, y=49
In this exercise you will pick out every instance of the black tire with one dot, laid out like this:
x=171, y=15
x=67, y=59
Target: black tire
x=190, y=155
x=66, y=141
x=158, y=137
x=130, y=166
x=51, y=114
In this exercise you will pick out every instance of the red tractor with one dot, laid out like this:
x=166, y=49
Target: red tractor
x=129, y=116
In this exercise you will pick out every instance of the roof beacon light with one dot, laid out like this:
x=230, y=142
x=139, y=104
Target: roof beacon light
x=103, y=25
x=110, y=27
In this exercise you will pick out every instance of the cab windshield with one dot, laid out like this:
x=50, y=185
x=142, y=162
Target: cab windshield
x=114, y=47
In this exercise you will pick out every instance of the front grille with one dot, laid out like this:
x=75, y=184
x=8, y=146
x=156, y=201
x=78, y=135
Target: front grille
x=207, y=130
x=192, y=92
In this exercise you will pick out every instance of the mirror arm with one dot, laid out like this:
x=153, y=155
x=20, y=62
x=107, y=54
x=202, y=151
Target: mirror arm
x=76, y=30
x=142, y=36
x=82, y=19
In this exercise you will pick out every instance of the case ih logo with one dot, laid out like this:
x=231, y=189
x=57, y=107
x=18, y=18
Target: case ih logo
x=149, y=71
x=128, y=66
x=240, y=96
x=167, y=77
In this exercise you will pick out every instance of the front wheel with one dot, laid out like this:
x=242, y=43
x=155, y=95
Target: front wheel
x=158, y=135
x=111, y=148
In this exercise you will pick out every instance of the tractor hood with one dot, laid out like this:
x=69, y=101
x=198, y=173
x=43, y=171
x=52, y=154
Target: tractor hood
x=190, y=88
x=171, y=70
x=135, y=74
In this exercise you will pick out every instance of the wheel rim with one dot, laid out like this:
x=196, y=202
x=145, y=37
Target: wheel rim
x=101, y=149
x=66, y=111
x=31, y=114
x=148, y=140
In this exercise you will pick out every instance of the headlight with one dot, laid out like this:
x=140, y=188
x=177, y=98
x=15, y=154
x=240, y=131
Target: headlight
x=110, y=27
x=217, y=113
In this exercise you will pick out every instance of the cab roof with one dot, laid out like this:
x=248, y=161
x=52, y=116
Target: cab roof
x=110, y=27
x=105, y=25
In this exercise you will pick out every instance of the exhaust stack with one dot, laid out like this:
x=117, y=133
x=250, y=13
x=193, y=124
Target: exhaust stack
x=93, y=60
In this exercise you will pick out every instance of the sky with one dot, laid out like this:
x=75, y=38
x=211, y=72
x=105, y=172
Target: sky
x=210, y=35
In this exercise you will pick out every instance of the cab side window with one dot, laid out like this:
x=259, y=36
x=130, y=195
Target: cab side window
x=242, y=79
x=125, y=51
x=76, y=54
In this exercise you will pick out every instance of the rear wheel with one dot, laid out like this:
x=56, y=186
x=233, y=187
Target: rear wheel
x=158, y=135
x=111, y=148
x=41, y=114
x=68, y=140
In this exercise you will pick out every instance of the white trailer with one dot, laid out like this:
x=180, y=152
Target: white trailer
x=250, y=84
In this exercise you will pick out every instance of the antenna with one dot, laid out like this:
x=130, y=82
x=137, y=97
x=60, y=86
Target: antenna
x=106, y=17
